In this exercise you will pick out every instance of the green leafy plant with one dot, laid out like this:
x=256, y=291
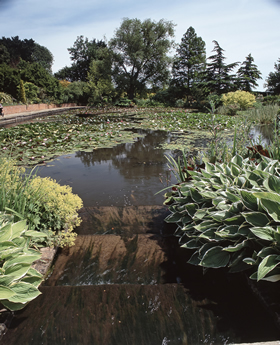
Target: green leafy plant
x=18, y=280
x=243, y=99
x=49, y=208
x=229, y=214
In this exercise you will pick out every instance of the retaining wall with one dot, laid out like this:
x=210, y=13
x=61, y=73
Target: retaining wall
x=14, y=109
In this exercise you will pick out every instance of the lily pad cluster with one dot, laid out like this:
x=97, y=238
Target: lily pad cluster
x=39, y=142
x=229, y=215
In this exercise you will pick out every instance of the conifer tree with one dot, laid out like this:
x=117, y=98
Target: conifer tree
x=189, y=63
x=248, y=74
x=273, y=80
x=218, y=78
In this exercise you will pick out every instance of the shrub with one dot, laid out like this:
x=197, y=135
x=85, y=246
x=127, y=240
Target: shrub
x=5, y=98
x=243, y=99
x=48, y=207
x=229, y=214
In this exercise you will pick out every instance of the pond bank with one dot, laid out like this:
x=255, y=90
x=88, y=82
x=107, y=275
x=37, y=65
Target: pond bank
x=28, y=115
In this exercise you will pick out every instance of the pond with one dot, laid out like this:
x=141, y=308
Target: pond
x=126, y=281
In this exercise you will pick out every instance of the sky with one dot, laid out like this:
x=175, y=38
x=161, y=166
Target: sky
x=241, y=27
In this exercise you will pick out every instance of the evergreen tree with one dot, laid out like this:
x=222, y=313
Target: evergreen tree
x=218, y=78
x=273, y=80
x=248, y=74
x=189, y=63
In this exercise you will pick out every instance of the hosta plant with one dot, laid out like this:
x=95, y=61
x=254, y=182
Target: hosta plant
x=18, y=280
x=229, y=215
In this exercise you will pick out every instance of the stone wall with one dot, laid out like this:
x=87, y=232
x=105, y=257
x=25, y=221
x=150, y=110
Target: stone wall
x=14, y=109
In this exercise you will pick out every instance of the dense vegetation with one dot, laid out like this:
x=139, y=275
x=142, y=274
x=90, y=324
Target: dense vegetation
x=134, y=64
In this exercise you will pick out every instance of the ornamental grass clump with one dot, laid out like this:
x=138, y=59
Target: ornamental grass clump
x=229, y=215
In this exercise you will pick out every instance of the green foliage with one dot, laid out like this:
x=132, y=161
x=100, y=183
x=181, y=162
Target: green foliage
x=229, y=215
x=189, y=63
x=82, y=54
x=5, y=98
x=99, y=85
x=50, y=209
x=22, y=96
x=140, y=55
x=273, y=80
x=248, y=74
x=18, y=280
x=217, y=77
x=243, y=99
x=57, y=209
x=75, y=92
x=263, y=114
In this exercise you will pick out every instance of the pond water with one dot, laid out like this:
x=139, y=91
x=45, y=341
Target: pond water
x=126, y=281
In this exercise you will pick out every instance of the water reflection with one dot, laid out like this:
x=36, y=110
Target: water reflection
x=127, y=174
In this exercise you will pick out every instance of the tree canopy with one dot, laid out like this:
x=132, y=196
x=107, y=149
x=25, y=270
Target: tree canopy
x=140, y=54
x=189, y=62
x=248, y=74
x=218, y=78
x=82, y=54
x=273, y=80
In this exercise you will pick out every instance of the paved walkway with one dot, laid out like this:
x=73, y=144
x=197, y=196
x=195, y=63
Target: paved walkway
x=19, y=117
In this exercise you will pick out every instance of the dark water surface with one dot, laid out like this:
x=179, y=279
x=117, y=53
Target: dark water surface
x=126, y=281
x=127, y=174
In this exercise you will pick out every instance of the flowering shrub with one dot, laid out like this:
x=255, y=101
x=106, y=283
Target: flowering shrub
x=47, y=206
x=244, y=99
x=58, y=208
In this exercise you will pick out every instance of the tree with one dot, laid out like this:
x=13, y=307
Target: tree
x=140, y=55
x=218, y=78
x=190, y=62
x=18, y=49
x=272, y=84
x=248, y=74
x=99, y=83
x=43, y=56
x=82, y=53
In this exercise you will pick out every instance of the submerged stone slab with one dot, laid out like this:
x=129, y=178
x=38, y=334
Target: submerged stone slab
x=125, y=221
x=115, y=315
x=110, y=259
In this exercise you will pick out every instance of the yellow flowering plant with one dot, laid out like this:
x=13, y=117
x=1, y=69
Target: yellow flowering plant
x=47, y=206
x=243, y=99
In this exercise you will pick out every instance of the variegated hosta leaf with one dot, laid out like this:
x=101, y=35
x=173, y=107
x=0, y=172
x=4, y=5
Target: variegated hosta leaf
x=265, y=233
x=272, y=208
x=215, y=257
x=267, y=265
x=256, y=218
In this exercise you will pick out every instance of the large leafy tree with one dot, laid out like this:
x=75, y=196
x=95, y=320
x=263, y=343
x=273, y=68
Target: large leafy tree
x=218, y=74
x=99, y=85
x=43, y=56
x=18, y=49
x=273, y=80
x=82, y=54
x=189, y=63
x=248, y=74
x=140, y=55
x=13, y=50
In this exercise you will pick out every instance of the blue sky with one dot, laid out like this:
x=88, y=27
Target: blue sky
x=241, y=27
